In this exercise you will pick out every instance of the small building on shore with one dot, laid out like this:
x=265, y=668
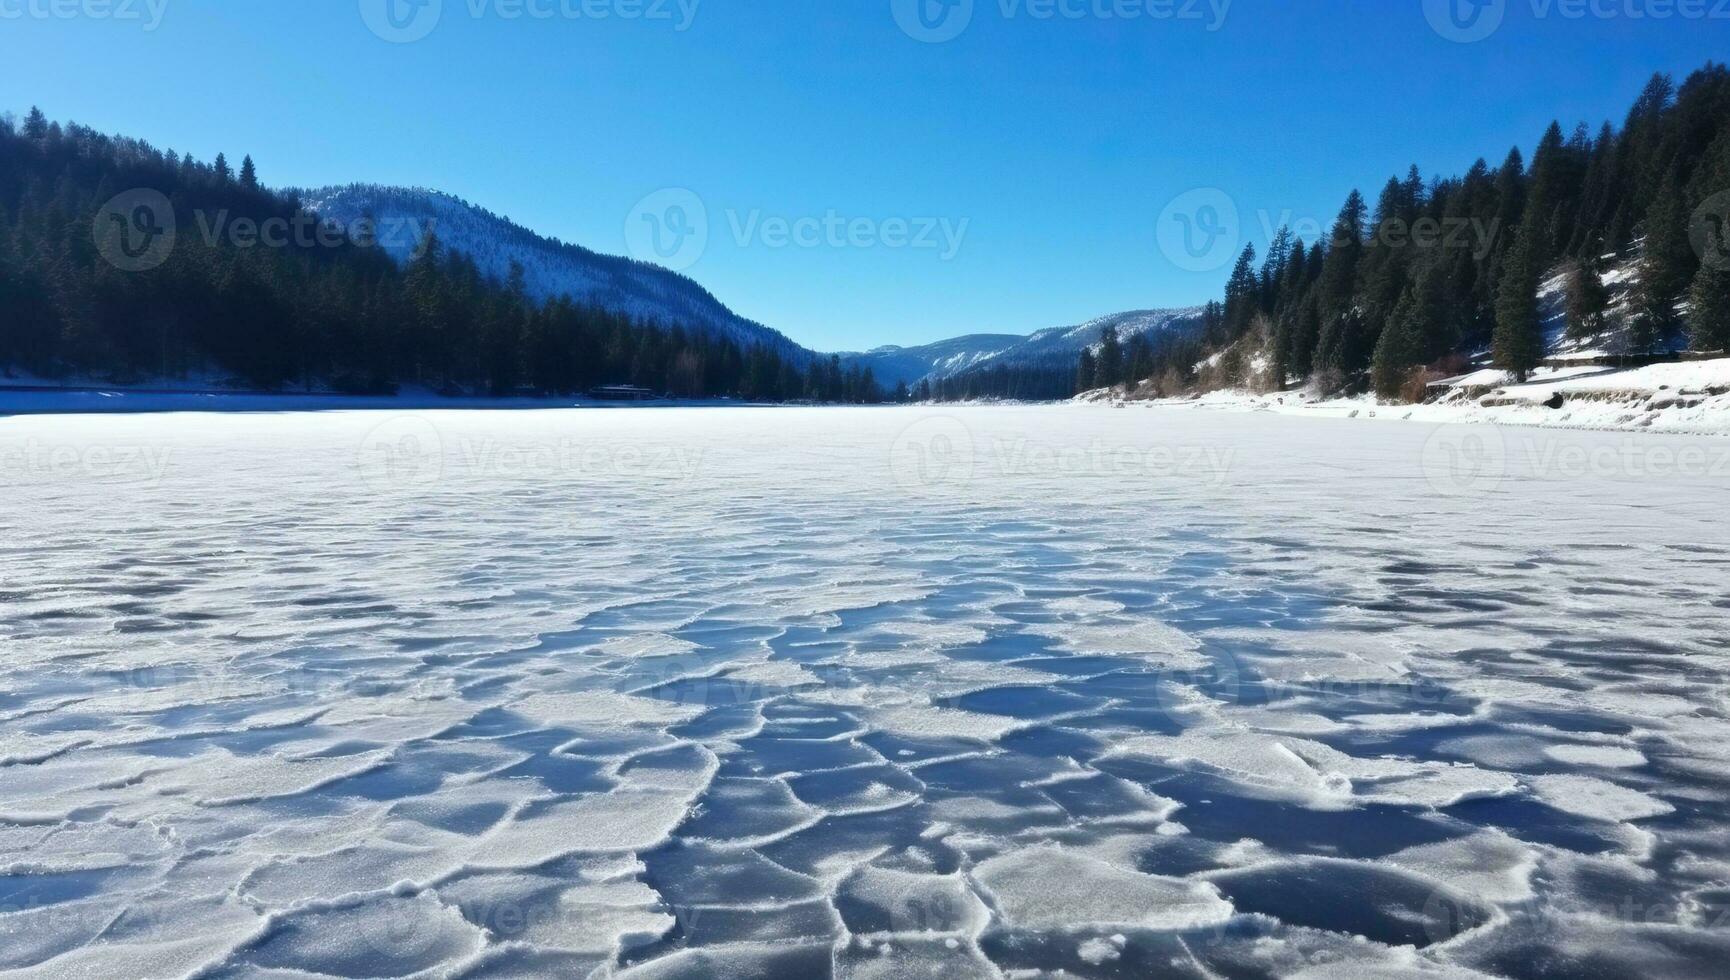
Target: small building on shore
x=624, y=393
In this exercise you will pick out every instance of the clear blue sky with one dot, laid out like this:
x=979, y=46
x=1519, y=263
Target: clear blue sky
x=1058, y=140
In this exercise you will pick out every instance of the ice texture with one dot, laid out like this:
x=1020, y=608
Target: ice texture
x=875, y=693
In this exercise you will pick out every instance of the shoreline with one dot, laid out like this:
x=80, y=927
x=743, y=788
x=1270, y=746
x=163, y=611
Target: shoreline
x=1673, y=398
x=31, y=401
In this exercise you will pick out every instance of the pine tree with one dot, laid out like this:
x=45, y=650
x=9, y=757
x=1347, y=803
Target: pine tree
x=1339, y=274
x=1434, y=316
x=1588, y=300
x=1597, y=196
x=1545, y=192
x=1139, y=360
x=1241, y=296
x=1086, y=373
x=1398, y=351
x=1709, y=309
x=1344, y=350
x=1518, y=345
x=224, y=173
x=248, y=174
x=35, y=124
x=1666, y=267
x=1110, y=371
x=1305, y=335
x=1273, y=268
x=1296, y=278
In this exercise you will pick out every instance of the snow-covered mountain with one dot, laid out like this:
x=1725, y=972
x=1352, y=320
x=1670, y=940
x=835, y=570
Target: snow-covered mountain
x=1054, y=345
x=939, y=360
x=1067, y=342
x=551, y=267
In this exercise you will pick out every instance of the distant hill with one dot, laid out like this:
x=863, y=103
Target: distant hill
x=551, y=268
x=910, y=365
x=1055, y=347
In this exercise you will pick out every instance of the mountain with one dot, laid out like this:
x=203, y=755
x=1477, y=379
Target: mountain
x=1052, y=347
x=945, y=357
x=551, y=268
x=1066, y=343
x=201, y=274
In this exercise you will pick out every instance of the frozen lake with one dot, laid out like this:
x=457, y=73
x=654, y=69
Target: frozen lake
x=866, y=693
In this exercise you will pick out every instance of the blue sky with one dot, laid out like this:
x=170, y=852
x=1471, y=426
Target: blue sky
x=861, y=185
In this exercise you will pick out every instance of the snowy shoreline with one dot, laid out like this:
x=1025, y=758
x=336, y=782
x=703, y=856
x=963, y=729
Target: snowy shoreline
x=119, y=400
x=1685, y=398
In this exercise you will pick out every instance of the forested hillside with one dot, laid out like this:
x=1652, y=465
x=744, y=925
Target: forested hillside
x=314, y=306
x=1439, y=270
x=551, y=268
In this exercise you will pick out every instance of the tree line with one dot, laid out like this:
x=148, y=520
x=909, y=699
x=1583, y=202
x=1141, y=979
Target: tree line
x=331, y=312
x=1442, y=268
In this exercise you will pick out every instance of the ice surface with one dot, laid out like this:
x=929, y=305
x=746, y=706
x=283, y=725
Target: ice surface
x=1589, y=796
x=1046, y=888
x=329, y=695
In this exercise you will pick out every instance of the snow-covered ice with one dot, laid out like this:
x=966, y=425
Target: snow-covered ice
x=860, y=693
